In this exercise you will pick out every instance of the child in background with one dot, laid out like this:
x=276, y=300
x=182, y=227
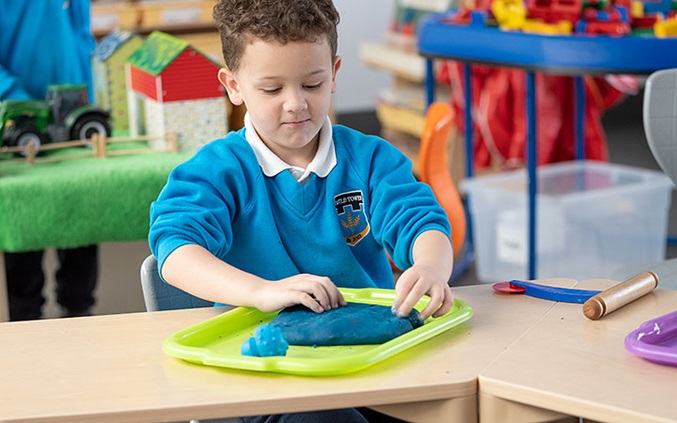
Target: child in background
x=290, y=207
x=43, y=43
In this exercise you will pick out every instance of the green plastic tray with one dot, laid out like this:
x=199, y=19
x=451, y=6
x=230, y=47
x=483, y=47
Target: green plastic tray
x=217, y=341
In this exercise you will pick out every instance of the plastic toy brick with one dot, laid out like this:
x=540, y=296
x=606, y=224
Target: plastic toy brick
x=644, y=22
x=609, y=15
x=510, y=14
x=657, y=6
x=533, y=26
x=624, y=11
x=606, y=28
x=667, y=28
x=637, y=9
x=478, y=18
x=552, y=11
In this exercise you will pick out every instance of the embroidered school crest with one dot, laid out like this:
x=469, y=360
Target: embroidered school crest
x=350, y=209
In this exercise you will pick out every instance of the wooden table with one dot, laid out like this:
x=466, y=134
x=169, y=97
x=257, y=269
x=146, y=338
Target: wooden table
x=112, y=368
x=574, y=366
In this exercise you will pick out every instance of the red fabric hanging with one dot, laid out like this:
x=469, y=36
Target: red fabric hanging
x=499, y=114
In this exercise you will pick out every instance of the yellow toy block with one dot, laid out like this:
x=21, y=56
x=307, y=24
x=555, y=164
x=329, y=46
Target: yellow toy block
x=665, y=28
x=510, y=14
x=637, y=9
x=536, y=26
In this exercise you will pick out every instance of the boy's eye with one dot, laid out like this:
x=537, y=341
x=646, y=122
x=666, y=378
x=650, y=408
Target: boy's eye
x=270, y=90
x=313, y=86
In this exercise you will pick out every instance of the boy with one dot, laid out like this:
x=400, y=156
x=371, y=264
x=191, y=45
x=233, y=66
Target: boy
x=290, y=207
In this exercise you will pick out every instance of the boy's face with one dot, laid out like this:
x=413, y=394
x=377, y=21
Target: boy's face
x=287, y=89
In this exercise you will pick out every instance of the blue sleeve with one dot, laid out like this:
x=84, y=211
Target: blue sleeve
x=402, y=208
x=10, y=88
x=196, y=206
x=32, y=58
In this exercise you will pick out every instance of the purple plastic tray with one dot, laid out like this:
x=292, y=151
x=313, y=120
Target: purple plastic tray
x=655, y=340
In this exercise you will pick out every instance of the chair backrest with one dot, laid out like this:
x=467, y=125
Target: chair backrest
x=660, y=127
x=433, y=165
x=660, y=119
x=158, y=295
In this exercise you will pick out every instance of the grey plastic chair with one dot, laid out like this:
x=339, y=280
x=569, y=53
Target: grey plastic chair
x=659, y=113
x=660, y=119
x=158, y=295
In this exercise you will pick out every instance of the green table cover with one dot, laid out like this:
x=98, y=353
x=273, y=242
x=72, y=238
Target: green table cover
x=80, y=201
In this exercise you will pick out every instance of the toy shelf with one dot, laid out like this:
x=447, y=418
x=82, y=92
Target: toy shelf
x=558, y=54
x=575, y=55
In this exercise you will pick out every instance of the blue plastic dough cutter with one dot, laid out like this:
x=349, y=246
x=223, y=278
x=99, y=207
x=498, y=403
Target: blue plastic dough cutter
x=552, y=293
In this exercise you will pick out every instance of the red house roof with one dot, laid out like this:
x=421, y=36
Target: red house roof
x=166, y=68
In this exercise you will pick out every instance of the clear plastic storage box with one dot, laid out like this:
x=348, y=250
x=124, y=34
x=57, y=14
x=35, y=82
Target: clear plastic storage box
x=592, y=218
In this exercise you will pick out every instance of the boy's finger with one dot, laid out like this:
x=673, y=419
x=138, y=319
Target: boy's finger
x=447, y=304
x=432, y=308
x=402, y=291
x=310, y=302
x=407, y=304
x=322, y=297
x=337, y=299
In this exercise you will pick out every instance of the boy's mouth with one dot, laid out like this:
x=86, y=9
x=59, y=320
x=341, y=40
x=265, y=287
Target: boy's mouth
x=297, y=122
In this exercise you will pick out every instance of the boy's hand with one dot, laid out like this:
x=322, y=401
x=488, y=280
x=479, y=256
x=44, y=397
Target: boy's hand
x=420, y=280
x=197, y=271
x=318, y=293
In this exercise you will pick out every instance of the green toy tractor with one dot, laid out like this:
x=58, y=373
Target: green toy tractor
x=64, y=115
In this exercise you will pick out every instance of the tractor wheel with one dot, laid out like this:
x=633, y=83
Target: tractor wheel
x=87, y=126
x=26, y=137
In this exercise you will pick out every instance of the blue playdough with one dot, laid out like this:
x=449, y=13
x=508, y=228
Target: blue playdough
x=354, y=324
x=267, y=341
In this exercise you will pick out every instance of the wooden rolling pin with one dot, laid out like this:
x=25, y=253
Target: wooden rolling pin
x=619, y=295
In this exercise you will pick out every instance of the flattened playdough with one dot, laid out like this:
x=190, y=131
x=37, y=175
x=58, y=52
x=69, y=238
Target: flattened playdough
x=353, y=324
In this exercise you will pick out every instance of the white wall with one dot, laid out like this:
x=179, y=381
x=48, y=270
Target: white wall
x=358, y=86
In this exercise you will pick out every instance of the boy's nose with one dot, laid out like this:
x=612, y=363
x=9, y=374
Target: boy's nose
x=295, y=102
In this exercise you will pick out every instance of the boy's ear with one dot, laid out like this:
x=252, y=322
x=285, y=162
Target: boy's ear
x=337, y=65
x=231, y=85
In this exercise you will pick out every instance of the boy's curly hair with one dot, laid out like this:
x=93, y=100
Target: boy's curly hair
x=242, y=21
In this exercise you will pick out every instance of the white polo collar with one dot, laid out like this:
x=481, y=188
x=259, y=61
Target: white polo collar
x=323, y=162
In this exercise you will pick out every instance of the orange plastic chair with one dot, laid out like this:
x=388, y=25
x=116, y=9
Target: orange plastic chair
x=433, y=165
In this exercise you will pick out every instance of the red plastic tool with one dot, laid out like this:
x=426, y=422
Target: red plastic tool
x=508, y=288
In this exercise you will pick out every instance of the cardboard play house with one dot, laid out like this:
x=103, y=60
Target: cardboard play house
x=173, y=88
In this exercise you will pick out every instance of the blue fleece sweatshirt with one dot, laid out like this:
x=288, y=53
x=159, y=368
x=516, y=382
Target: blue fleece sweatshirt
x=274, y=227
x=44, y=42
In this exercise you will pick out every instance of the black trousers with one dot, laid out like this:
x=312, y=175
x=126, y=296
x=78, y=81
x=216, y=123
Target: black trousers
x=75, y=281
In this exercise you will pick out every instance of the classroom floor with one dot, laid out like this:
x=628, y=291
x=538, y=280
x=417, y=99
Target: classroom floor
x=119, y=289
